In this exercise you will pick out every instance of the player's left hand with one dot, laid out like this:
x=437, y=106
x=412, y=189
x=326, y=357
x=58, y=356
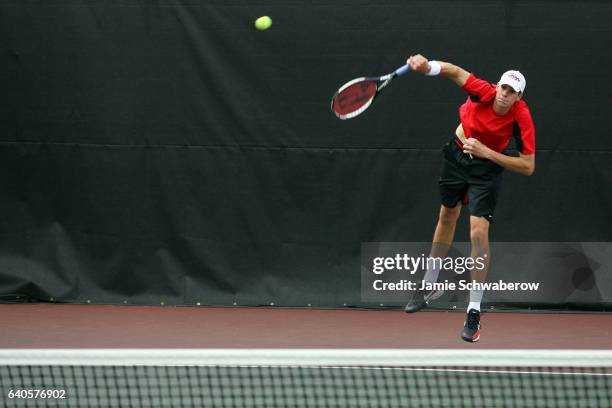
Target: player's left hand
x=476, y=148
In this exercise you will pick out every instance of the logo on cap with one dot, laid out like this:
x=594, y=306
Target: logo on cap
x=515, y=79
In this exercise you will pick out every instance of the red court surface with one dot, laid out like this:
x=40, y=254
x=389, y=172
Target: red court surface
x=95, y=326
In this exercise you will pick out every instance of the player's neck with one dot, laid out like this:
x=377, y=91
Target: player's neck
x=501, y=110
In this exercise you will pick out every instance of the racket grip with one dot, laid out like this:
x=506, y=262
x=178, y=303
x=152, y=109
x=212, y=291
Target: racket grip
x=402, y=70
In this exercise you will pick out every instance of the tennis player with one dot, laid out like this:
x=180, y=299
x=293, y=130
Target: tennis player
x=471, y=173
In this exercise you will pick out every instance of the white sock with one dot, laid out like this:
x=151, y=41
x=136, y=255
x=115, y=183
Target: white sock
x=431, y=276
x=475, y=299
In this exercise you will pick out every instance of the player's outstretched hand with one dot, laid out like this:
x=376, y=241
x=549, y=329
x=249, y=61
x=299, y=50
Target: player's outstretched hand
x=418, y=63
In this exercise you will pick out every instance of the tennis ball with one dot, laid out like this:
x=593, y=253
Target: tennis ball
x=263, y=23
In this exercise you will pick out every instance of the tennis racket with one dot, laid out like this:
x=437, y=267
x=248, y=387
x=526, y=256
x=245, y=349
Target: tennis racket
x=357, y=95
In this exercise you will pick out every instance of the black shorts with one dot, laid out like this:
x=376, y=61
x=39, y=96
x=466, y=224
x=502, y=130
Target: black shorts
x=476, y=181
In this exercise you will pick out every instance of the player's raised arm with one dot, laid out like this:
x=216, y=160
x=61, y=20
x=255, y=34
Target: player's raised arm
x=419, y=63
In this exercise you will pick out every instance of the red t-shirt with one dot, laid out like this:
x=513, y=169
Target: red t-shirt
x=480, y=121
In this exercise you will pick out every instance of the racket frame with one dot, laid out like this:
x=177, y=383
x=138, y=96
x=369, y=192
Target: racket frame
x=380, y=82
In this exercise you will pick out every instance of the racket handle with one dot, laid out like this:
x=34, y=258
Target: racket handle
x=402, y=70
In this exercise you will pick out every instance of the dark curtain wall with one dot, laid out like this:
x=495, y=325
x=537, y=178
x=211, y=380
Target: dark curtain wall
x=166, y=151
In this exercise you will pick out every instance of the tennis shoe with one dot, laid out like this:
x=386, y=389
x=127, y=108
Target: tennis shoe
x=421, y=299
x=471, y=327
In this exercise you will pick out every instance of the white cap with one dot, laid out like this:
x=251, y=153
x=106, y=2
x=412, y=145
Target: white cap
x=515, y=79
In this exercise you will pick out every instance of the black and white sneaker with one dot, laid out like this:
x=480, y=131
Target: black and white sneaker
x=471, y=327
x=421, y=299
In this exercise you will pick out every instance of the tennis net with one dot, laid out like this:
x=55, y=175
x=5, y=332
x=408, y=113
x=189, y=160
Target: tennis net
x=318, y=378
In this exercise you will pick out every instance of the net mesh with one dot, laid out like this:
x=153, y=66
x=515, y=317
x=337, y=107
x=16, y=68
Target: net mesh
x=363, y=384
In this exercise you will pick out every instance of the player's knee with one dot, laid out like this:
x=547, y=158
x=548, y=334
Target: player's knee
x=448, y=215
x=479, y=233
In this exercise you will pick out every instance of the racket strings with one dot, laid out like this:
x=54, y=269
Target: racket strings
x=353, y=99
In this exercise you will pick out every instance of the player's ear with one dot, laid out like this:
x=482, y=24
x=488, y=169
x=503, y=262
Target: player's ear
x=520, y=95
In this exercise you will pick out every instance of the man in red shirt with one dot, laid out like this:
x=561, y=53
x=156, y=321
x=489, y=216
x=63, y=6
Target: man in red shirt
x=473, y=164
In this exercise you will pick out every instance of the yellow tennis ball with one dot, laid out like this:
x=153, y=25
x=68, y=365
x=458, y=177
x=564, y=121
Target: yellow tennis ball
x=263, y=23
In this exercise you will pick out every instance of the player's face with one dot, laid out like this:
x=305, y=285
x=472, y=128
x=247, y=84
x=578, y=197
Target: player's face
x=506, y=96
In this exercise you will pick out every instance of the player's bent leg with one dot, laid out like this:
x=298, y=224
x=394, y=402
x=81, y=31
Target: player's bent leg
x=443, y=237
x=442, y=240
x=445, y=229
